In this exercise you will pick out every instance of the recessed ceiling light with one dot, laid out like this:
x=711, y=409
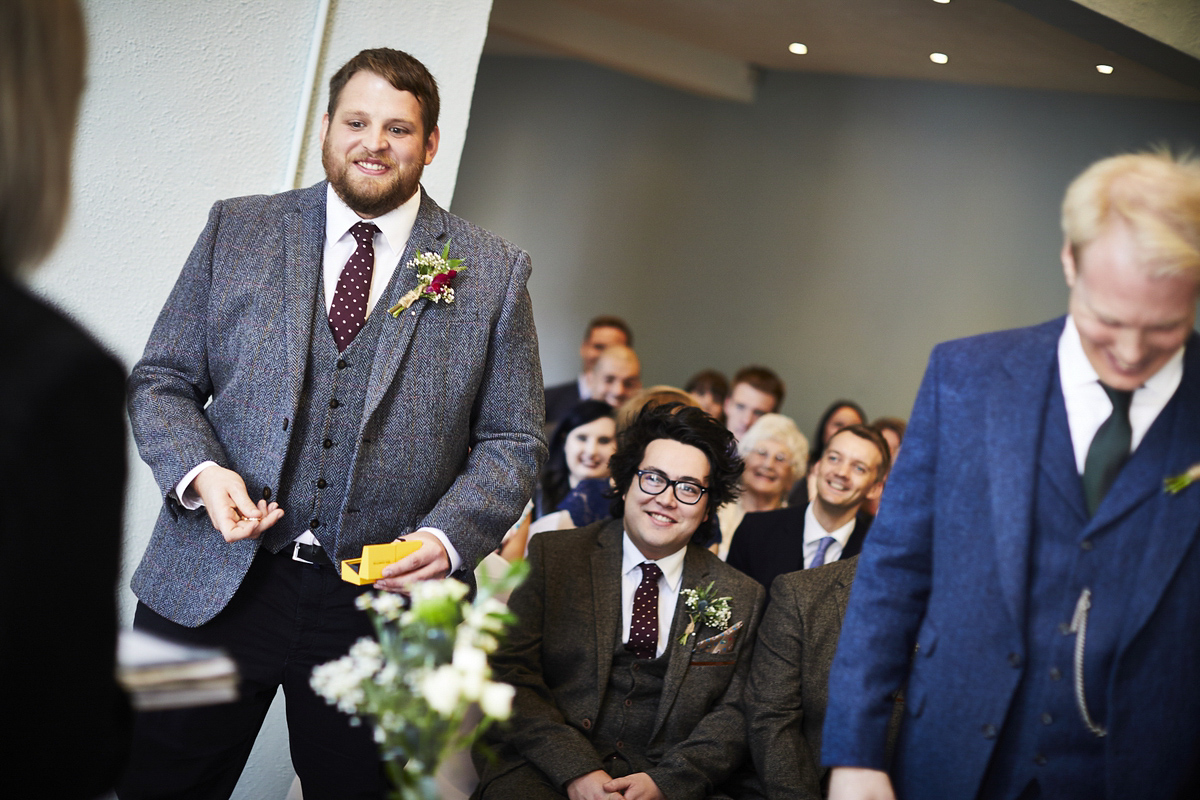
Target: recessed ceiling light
x=1104, y=69
x=797, y=48
x=939, y=58
x=943, y=2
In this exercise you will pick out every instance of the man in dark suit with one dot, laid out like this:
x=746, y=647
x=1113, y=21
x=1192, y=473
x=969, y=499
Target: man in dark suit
x=1028, y=548
x=277, y=380
x=62, y=434
x=624, y=686
x=602, y=332
x=850, y=472
x=789, y=679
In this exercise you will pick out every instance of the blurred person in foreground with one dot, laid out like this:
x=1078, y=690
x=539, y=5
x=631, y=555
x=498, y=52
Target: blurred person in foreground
x=62, y=428
x=1027, y=548
x=775, y=452
x=622, y=689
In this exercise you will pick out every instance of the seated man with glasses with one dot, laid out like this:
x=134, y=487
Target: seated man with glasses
x=632, y=645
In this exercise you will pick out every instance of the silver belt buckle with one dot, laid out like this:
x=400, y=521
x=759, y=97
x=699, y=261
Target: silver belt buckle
x=296, y=554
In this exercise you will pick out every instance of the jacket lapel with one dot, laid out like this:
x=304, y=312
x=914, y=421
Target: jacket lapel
x=1016, y=403
x=695, y=573
x=428, y=233
x=1176, y=519
x=303, y=254
x=606, y=597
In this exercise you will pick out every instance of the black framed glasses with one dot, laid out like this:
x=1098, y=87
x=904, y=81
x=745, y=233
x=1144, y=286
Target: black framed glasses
x=686, y=492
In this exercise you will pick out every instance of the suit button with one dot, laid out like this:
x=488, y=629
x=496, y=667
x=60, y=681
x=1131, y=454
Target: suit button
x=314, y=523
x=636, y=667
x=1086, y=545
x=587, y=724
x=321, y=483
x=628, y=702
x=333, y=402
x=1046, y=718
x=341, y=363
x=266, y=493
x=1014, y=659
x=620, y=745
x=988, y=731
x=328, y=443
x=1055, y=674
x=1040, y=760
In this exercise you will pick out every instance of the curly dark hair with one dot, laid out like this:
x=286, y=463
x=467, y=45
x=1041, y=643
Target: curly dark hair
x=686, y=425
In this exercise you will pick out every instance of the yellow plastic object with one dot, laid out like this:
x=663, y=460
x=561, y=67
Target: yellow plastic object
x=369, y=568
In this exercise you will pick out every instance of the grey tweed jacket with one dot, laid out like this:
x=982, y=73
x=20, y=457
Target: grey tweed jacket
x=559, y=658
x=451, y=433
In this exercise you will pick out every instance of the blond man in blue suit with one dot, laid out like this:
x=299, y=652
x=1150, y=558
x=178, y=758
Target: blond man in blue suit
x=290, y=420
x=1027, y=548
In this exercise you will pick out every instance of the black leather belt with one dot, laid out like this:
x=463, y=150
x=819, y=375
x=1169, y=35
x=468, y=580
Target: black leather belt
x=309, y=554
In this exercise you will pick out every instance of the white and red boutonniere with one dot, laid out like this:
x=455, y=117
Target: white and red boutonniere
x=1177, y=483
x=434, y=273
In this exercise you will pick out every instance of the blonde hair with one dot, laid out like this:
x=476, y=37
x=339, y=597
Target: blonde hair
x=42, y=57
x=1156, y=194
x=652, y=396
x=782, y=429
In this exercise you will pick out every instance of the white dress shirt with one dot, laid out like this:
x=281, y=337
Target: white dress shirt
x=395, y=228
x=668, y=589
x=814, y=533
x=1087, y=403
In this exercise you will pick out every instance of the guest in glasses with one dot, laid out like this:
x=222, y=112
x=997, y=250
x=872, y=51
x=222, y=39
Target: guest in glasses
x=623, y=687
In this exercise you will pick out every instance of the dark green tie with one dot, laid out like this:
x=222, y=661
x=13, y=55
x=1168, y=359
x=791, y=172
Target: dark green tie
x=1108, y=450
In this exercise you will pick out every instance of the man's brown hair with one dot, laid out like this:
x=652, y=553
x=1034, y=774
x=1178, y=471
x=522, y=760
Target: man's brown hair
x=402, y=71
x=762, y=379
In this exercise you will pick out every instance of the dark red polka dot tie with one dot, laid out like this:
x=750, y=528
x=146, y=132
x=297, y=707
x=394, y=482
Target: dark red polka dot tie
x=349, y=309
x=643, y=626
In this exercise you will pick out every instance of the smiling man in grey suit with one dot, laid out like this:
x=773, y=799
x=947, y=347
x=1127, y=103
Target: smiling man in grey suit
x=290, y=420
x=623, y=690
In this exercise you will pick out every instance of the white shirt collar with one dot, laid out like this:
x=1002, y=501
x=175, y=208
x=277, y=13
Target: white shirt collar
x=396, y=225
x=671, y=566
x=813, y=532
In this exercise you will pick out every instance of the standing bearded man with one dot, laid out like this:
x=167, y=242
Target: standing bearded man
x=290, y=420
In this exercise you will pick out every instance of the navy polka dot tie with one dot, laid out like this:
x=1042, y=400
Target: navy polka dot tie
x=643, y=626
x=348, y=312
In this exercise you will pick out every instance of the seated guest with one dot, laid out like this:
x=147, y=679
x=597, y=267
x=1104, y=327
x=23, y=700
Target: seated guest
x=579, y=451
x=710, y=388
x=755, y=391
x=651, y=397
x=602, y=333
x=892, y=430
x=850, y=472
x=615, y=376
x=621, y=689
x=789, y=680
x=775, y=452
x=839, y=414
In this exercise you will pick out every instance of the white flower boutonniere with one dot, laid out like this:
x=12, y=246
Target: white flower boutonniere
x=434, y=273
x=704, y=609
x=1177, y=483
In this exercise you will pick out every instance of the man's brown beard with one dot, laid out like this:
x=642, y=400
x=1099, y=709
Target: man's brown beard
x=404, y=183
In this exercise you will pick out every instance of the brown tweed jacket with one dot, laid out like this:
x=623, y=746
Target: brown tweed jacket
x=559, y=657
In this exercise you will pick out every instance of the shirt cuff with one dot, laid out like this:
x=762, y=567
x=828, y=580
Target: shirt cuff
x=455, y=558
x=188, y=497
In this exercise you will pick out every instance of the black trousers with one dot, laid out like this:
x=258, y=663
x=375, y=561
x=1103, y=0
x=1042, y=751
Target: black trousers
x=285, y=618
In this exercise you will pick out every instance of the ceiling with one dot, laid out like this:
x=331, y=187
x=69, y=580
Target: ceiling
x=718, y=47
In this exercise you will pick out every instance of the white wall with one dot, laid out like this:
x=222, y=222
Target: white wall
x=834, y=230
x=190, y=102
